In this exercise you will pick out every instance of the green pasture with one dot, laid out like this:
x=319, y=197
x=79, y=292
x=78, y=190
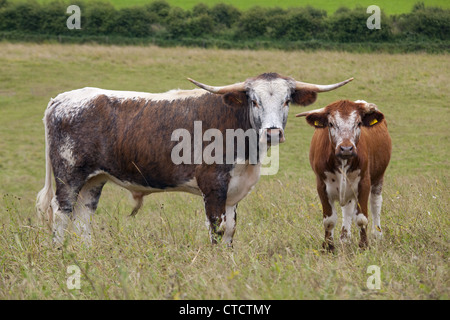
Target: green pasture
x=164, y=252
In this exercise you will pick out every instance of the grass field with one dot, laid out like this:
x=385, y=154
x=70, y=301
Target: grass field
x=390, y=7
x=164, y=253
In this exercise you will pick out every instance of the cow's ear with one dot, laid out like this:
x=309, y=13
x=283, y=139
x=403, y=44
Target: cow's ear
x=303, y=97
x=235, y=99
x=317, y=120
x=372, y=118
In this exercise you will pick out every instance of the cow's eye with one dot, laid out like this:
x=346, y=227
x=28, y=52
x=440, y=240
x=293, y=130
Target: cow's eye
x=255, y=103
x=359, y=124
x=286, y=103
x=330, y=125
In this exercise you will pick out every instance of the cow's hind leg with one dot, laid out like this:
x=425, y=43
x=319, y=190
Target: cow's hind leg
x=376, y=201
x=361, y=218
x=63, y=204
x=85, y=207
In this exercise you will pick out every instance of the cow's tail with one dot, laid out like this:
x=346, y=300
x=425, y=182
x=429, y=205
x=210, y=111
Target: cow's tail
x=45, y=196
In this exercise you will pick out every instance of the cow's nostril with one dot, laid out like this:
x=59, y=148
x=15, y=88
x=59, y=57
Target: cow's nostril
x=274, y=133
x=346, y=149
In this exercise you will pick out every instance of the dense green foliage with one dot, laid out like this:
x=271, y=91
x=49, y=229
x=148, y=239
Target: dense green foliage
x=225, y=26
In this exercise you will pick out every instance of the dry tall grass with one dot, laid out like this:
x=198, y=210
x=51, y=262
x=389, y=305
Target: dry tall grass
x=164, y=252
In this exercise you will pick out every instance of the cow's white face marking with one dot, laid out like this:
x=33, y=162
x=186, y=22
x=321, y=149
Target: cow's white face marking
x=269, y=104
x=344, y=129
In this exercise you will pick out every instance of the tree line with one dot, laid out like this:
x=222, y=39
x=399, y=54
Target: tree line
x=223, y=25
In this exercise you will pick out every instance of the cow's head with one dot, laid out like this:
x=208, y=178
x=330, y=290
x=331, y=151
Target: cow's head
x=343, y=120
x=268, y=97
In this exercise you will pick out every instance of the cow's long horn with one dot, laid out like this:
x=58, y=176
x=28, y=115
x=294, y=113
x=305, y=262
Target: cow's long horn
x=319, y=87
x=220, y=90
x=304, y=114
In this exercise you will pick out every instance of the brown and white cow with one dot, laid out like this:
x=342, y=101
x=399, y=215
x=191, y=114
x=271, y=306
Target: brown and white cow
x=349, y=153
x=95, y=135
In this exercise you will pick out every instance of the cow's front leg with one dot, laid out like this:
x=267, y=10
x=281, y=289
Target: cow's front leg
x=221, y=227
x=215, y=215
x=329, y=216
x=349, y=211
x=229, y=222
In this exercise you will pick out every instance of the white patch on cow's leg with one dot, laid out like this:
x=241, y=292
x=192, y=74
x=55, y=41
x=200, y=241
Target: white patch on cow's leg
x=376, y=201
x=82, y=223
x=329, y=223
x=348, y=213
x=85, y=208
x=60, y=222
x=230, y=224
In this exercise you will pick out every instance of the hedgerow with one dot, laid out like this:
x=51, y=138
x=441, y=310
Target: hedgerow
x=222, y=25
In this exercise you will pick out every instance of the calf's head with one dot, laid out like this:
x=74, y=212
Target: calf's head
x=268, y=97
x=343, y=120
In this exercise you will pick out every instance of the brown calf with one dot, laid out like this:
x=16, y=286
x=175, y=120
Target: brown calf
x=349, y=153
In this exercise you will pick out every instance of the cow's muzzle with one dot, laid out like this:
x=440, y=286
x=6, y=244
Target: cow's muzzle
x=346, y=151
x=274, y=135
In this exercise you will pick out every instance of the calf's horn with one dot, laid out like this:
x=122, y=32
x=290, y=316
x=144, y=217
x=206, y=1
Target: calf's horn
x=304, y=114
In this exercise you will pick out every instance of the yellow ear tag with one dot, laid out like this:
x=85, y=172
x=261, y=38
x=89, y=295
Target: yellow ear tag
x=317, y=123
x=373, y=122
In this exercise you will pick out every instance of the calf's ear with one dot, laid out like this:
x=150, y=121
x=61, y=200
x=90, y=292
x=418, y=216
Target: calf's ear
x=372, y=118
x=235, y=99
x=304, y=97
x=317, y=120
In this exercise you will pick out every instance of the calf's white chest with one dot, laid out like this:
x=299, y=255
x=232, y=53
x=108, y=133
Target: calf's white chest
x=342, y=185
